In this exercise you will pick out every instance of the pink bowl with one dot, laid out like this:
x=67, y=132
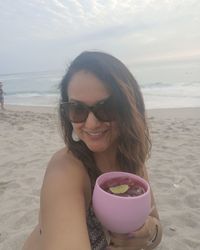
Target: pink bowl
x=121, y=214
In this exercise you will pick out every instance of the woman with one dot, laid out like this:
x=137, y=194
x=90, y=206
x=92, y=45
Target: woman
x=1, y=96
x=104, y=127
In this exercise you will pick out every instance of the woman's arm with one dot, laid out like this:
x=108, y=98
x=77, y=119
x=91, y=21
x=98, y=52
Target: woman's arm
x=63, y=205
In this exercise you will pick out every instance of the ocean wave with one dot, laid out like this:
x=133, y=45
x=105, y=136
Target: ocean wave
x=154, y=85
x=163, y=85
x=31, y=81
x=32, y=93
x=42, y=88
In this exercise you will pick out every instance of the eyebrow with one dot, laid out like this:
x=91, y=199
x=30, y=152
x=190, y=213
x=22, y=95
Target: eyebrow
x=78, y=101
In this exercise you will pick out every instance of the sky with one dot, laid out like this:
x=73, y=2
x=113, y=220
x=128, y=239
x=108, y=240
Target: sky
x=159, y=40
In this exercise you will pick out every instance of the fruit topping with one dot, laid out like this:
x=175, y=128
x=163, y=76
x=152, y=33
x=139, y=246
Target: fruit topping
x=120, y=189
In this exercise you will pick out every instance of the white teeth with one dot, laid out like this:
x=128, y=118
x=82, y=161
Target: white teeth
x=94, y=134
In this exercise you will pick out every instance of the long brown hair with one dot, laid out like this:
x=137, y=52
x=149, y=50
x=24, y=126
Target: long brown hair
x=134, y=143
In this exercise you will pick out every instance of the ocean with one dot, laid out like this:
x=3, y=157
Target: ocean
x=41, y=89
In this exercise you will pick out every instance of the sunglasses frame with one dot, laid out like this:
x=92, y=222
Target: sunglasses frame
x=91, y=108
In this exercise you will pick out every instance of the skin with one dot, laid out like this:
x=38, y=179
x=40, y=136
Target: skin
x=66, y=190
x=100, y=137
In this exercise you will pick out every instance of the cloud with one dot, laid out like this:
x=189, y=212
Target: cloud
x=133, y=30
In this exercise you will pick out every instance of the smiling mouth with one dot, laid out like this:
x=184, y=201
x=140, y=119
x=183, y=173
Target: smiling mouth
x=98, y=133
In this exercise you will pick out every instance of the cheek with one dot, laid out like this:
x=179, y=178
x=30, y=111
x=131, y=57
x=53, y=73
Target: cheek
x=77, y=126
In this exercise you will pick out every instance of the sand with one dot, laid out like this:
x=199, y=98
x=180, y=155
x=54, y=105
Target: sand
x=29, y=136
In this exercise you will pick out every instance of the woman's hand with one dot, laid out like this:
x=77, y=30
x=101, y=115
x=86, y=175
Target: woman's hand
x=138, y=240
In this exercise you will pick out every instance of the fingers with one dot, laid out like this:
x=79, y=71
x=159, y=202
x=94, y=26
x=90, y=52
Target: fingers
x=143, y=232
x=125, y=243
x=134, y=240
x=118, y=236
x=121, y=248
x=146, y=230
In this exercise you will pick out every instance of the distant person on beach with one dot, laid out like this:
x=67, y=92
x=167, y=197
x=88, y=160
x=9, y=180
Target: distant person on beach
x=104, y=126
x=1, y=96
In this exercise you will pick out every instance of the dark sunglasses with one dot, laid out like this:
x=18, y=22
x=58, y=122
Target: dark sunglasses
x=78, y=112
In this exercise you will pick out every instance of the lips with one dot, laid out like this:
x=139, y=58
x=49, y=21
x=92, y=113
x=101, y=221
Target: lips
x=95, y=134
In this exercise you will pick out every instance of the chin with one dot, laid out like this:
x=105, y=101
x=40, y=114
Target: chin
x=98, y=148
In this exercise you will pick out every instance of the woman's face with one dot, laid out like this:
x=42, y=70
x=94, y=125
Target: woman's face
x=86, y=88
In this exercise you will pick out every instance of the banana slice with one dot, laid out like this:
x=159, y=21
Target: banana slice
x=120, y=189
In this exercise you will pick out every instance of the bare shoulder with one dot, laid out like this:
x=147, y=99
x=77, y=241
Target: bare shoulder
x=64, y=160
x=64, y=164
x=65, y=170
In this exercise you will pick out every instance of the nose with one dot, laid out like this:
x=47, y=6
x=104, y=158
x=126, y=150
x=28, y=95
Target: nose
x=91, y=121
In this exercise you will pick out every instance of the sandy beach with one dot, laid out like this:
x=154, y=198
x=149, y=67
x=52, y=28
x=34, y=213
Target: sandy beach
x=29, y=136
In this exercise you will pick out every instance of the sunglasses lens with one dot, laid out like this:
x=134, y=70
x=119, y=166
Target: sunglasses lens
x=77, y=112
x=105, y=111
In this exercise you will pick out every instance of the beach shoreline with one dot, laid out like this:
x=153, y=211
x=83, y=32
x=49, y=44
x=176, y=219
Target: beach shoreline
x=35, y=109
x=162, y=112
x=30, y=135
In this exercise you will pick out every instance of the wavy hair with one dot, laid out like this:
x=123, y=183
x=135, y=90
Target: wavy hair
x=134, y=141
